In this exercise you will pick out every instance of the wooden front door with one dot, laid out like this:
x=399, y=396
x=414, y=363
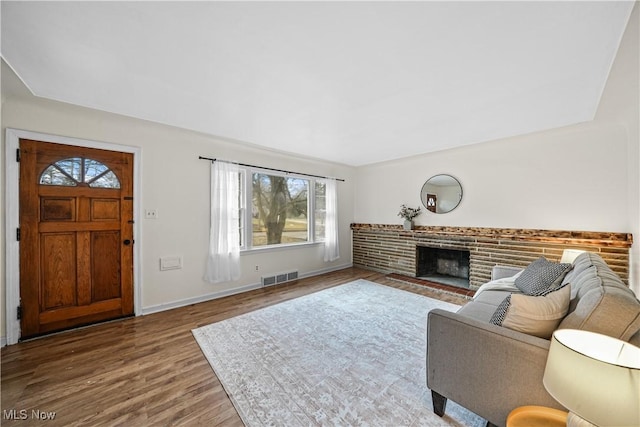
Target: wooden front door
x=76, y=236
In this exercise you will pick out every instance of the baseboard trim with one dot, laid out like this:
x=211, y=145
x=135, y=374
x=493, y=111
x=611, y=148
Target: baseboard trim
x=3, y=341
x=325, y=270
x=221, y=294
x=195, y=300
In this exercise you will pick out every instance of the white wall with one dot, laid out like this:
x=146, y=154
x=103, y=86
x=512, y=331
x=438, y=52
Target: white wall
x=176, y=183
x=620, y=104
x=565, y=179
x=582, y=177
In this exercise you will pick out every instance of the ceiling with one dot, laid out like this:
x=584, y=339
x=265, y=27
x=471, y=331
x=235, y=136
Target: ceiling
x=349, y=82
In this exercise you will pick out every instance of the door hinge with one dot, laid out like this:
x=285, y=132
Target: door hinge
x=19, y=312
x=17, y=155
x=18, y=234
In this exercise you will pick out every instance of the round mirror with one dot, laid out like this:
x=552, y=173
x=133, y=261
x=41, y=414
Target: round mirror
x=441, y=194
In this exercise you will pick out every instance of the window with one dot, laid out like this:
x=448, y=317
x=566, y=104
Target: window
x=77, y=171
x=280, y=209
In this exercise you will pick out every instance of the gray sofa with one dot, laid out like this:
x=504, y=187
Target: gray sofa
x=491, y=369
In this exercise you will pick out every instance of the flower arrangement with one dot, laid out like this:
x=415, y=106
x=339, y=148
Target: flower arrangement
x=409, y=213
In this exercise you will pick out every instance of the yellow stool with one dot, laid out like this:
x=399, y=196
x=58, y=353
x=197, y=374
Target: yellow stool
x=537, y=416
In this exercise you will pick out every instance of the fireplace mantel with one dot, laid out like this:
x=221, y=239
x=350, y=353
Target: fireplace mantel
x=391, y=249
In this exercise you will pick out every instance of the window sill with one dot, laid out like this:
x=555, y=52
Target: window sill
x=281, y=247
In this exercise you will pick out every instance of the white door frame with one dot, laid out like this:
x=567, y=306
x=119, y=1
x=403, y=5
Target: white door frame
x=12, y=217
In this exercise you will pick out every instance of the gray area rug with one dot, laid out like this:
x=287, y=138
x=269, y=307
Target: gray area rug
x=352, y=355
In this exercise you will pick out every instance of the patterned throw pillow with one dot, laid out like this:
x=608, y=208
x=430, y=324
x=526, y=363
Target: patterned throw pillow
x=534, y=315
x=541, y=275
x=501, y=312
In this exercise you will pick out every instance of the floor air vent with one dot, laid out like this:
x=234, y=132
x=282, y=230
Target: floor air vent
x=268, y=281
x=279, y=278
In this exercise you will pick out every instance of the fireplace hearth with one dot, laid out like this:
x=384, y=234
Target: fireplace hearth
x=445, y=266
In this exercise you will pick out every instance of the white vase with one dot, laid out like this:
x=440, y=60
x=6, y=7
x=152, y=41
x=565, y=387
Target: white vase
x=408, y=224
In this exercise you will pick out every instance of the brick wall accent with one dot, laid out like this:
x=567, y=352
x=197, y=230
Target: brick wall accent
x=390, y=249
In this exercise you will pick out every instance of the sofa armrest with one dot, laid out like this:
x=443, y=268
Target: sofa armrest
x=485, y=368
x=502, y=271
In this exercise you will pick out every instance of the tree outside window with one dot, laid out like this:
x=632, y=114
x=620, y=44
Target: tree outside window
x=283, y=210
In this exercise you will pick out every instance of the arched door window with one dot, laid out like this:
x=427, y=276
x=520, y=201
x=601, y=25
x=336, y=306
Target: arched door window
x=77, y=171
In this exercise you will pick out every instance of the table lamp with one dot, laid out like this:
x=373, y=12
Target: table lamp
x=594, y=376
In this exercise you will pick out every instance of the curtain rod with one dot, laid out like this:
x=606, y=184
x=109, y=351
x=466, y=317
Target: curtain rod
x=270, y=169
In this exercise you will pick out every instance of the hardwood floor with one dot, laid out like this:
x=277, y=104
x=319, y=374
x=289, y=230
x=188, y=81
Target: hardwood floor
x=146, y=370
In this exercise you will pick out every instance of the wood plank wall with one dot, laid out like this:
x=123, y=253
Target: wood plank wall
x=390, y=249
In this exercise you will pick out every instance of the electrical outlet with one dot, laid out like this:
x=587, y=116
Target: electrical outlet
x=256, y=268
x=150, y=214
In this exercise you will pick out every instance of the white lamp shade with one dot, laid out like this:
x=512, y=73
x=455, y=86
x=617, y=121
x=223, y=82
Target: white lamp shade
x=595, y=376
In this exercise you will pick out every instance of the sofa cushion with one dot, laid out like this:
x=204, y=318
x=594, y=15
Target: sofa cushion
x=533, y=315
x=541, y=275
x=600, y=301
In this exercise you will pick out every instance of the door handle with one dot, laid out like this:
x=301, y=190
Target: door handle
x=127, y=242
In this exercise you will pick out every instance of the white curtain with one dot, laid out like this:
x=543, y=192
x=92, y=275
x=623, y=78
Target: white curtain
x=331, y=246
x=223, y=263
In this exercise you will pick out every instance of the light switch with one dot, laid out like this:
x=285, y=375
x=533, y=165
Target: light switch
x=170, y=263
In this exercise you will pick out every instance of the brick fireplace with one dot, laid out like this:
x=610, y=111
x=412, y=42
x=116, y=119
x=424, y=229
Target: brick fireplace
x=390, y=249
